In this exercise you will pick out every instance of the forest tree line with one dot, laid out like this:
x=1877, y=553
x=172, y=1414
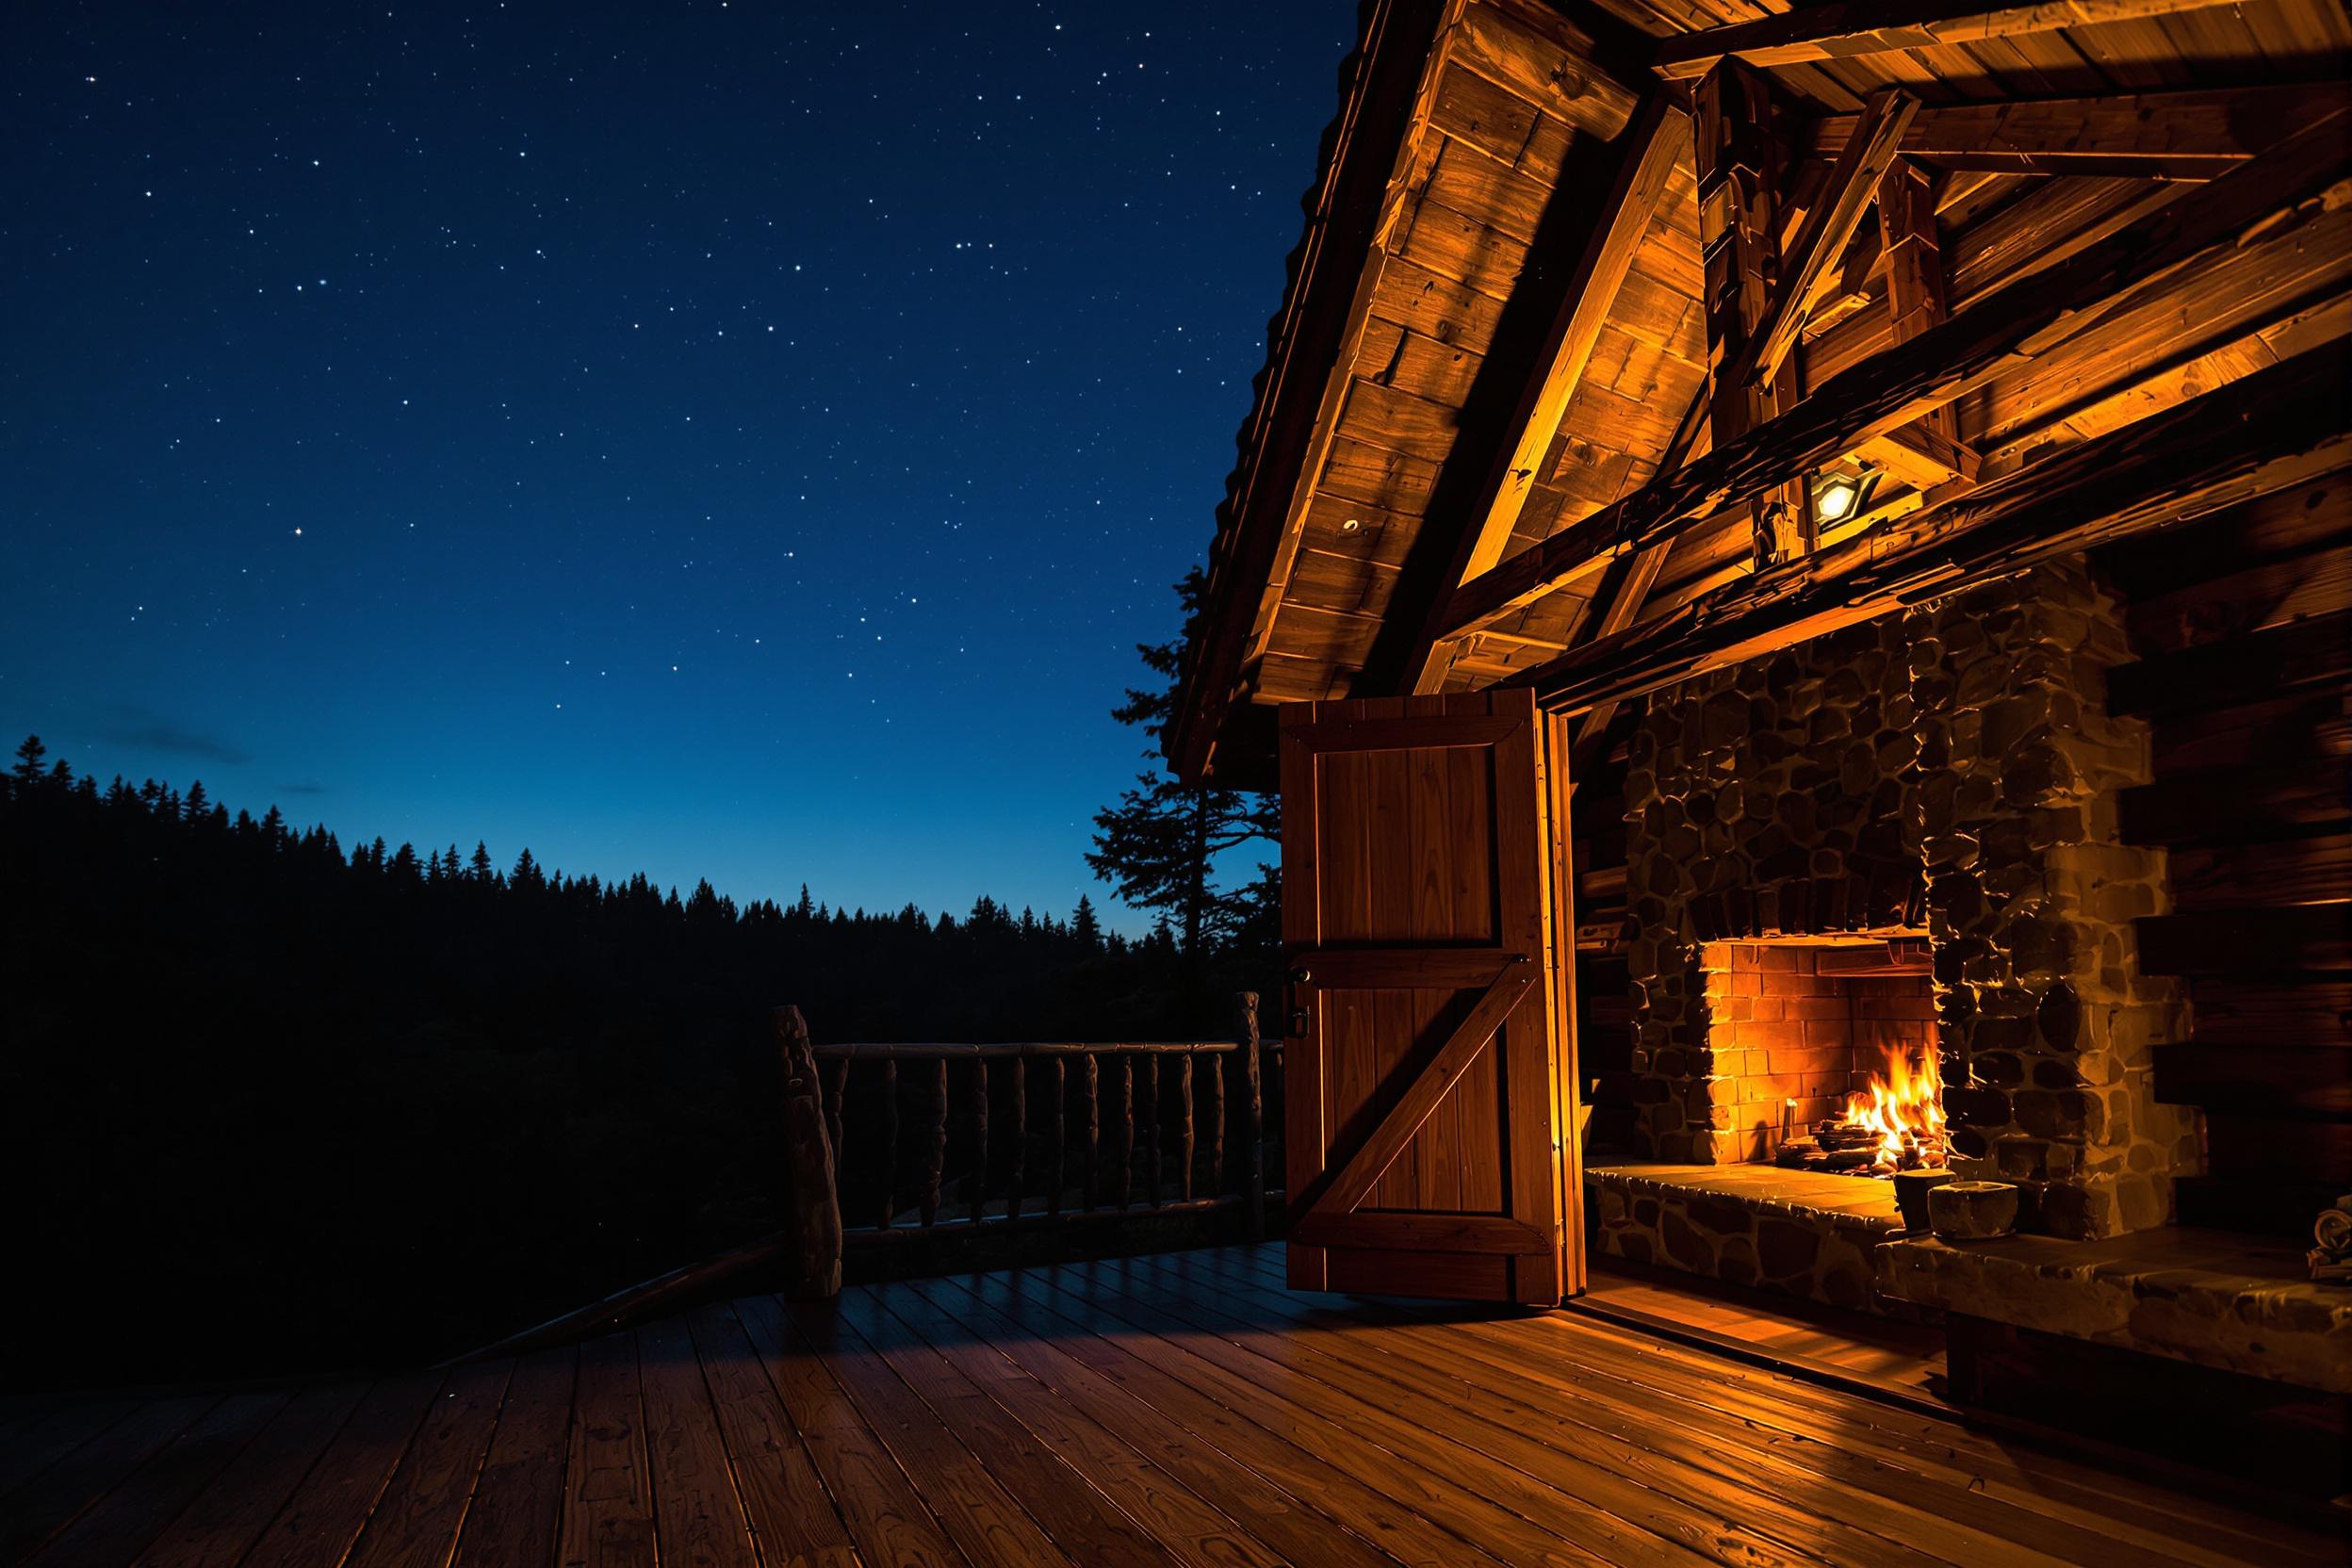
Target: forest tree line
x=346, y=1107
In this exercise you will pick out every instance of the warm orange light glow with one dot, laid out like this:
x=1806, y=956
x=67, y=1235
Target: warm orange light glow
x=1904, y=1106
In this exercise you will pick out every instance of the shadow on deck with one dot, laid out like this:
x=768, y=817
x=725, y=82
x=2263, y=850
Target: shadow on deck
x=1180, y=1409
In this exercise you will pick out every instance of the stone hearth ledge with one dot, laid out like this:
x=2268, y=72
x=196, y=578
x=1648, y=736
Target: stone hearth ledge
x=1803, y=1233
x=2238, y=1304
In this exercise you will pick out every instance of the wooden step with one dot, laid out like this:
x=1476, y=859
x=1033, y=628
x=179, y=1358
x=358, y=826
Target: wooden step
x=2242, y=669
x=2220, y=806
x=2296, y=1081
x=2291, y=939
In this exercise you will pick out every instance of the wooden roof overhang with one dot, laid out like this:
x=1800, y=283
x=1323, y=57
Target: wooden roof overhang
x=2047, y=272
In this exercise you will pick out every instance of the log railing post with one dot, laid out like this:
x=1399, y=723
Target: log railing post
x=1148, y=1112
x=976, y=1184
x=934, y=1153
x=1123, y=1179
x=812, y=1199
x=1092, y=1128
x=1183, y=1128
x=889, y=1145
x=1018, y=1168
x=1213, y=1123
x=1253, y=1114
x=1060, y=1139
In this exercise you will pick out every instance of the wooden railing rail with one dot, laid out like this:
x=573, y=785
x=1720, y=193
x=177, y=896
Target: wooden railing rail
x=900, y=1141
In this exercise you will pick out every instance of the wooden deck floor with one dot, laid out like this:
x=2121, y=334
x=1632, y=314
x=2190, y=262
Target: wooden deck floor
x=1174, y=1410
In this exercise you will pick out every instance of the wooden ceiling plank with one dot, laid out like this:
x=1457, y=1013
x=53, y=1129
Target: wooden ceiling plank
x=2274, y=430
x=1653, y=147
x=1844, y=30
x=2265, y=203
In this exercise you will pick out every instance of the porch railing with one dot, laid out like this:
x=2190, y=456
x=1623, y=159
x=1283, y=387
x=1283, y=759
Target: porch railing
x=932, y=1141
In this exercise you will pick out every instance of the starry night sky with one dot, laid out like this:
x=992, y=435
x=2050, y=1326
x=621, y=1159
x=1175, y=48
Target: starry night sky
x=736, y=440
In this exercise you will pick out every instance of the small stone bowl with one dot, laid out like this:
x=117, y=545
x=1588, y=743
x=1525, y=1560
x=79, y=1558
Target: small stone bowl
x=1911, y=1190
x=1972, y=1211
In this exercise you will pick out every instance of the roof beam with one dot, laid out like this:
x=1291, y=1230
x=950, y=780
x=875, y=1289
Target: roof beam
x=1652, y=148
x=2275, y=428
x=2195, y=135
x=1829, y=224
x=2265, y=201
x=1841, y=31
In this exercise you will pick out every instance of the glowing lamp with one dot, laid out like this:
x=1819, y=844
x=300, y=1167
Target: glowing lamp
x=1834, y=498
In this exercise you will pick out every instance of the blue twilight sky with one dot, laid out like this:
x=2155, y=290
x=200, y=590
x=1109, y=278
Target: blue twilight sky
x=741, y=440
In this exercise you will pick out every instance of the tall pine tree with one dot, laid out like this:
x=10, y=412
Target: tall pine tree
x=1161, y=844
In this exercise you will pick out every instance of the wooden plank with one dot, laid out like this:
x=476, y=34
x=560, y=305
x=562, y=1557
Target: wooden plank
x=980, y=1504
x=2288, y=1080
x=1113, y=1477
x=1427, y=1084
x=1842, y=30
x=416, y=1519
x=2229, y=804
x=2271, y=431
x=60, y=1494
x=792, y=1518
x=1401, y=968
x=130, y=1517
x=52, y=1438
x=1650, y=148
x=608, y=1503
x=2283, y=870
x=2199, y=133
x=2309, y=652
x=228, y=1516
x=2266, y=202
x=1238, y=1487
x=1436, y=1232
x=886, y=1517
x=518, y=1497
x=2281, y=940
x=330, y=1506
x=697, y=1516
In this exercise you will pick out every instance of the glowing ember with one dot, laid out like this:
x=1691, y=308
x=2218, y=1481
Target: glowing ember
x=1903, y=1106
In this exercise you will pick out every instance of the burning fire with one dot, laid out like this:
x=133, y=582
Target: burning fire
x=1905, y=1107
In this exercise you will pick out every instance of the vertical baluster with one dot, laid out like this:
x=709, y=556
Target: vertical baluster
x=888, y=1150
x=1213, y=1122
x=1060, y=1139
x=935, y=1156
x=1183, y=1128
x=1253, y=1115
x=1123, y=1181
x=1148, y=1112
x=1018, y=1168
x=976, y=1184
x=1093, y=1127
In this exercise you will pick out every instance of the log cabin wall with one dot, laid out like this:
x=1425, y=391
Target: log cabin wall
x=1954, y=765
x=2240, y=628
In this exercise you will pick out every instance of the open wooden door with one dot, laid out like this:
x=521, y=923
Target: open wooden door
x=1428, y=1066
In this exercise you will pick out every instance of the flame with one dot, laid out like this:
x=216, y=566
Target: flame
x=1904, y=1106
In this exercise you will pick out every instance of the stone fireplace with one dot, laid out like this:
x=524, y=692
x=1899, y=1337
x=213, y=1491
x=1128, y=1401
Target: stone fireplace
x=1902, y=835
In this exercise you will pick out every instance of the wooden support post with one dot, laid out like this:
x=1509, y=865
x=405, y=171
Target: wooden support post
x=1124, y=1178
x=1183, y=1128
x=888, y=1148
x=935, y=1151
x=1092, y=1128
x=1253, y=1114
x=1915, y=267
x=1739, y=177
x=812, y=1200
x=1060, y=1140
x=1147, y=1114
x=1017, y=1167
x=976, y=1184
x=836, y=1088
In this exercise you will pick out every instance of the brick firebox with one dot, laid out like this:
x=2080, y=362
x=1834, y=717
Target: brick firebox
x=1795, y=1027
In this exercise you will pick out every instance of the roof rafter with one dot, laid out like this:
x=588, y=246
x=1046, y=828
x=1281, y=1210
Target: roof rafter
x=2262, y=202
x=1653, y=146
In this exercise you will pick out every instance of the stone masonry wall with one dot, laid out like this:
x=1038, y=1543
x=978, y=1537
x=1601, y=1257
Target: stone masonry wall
x=1953, y=766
